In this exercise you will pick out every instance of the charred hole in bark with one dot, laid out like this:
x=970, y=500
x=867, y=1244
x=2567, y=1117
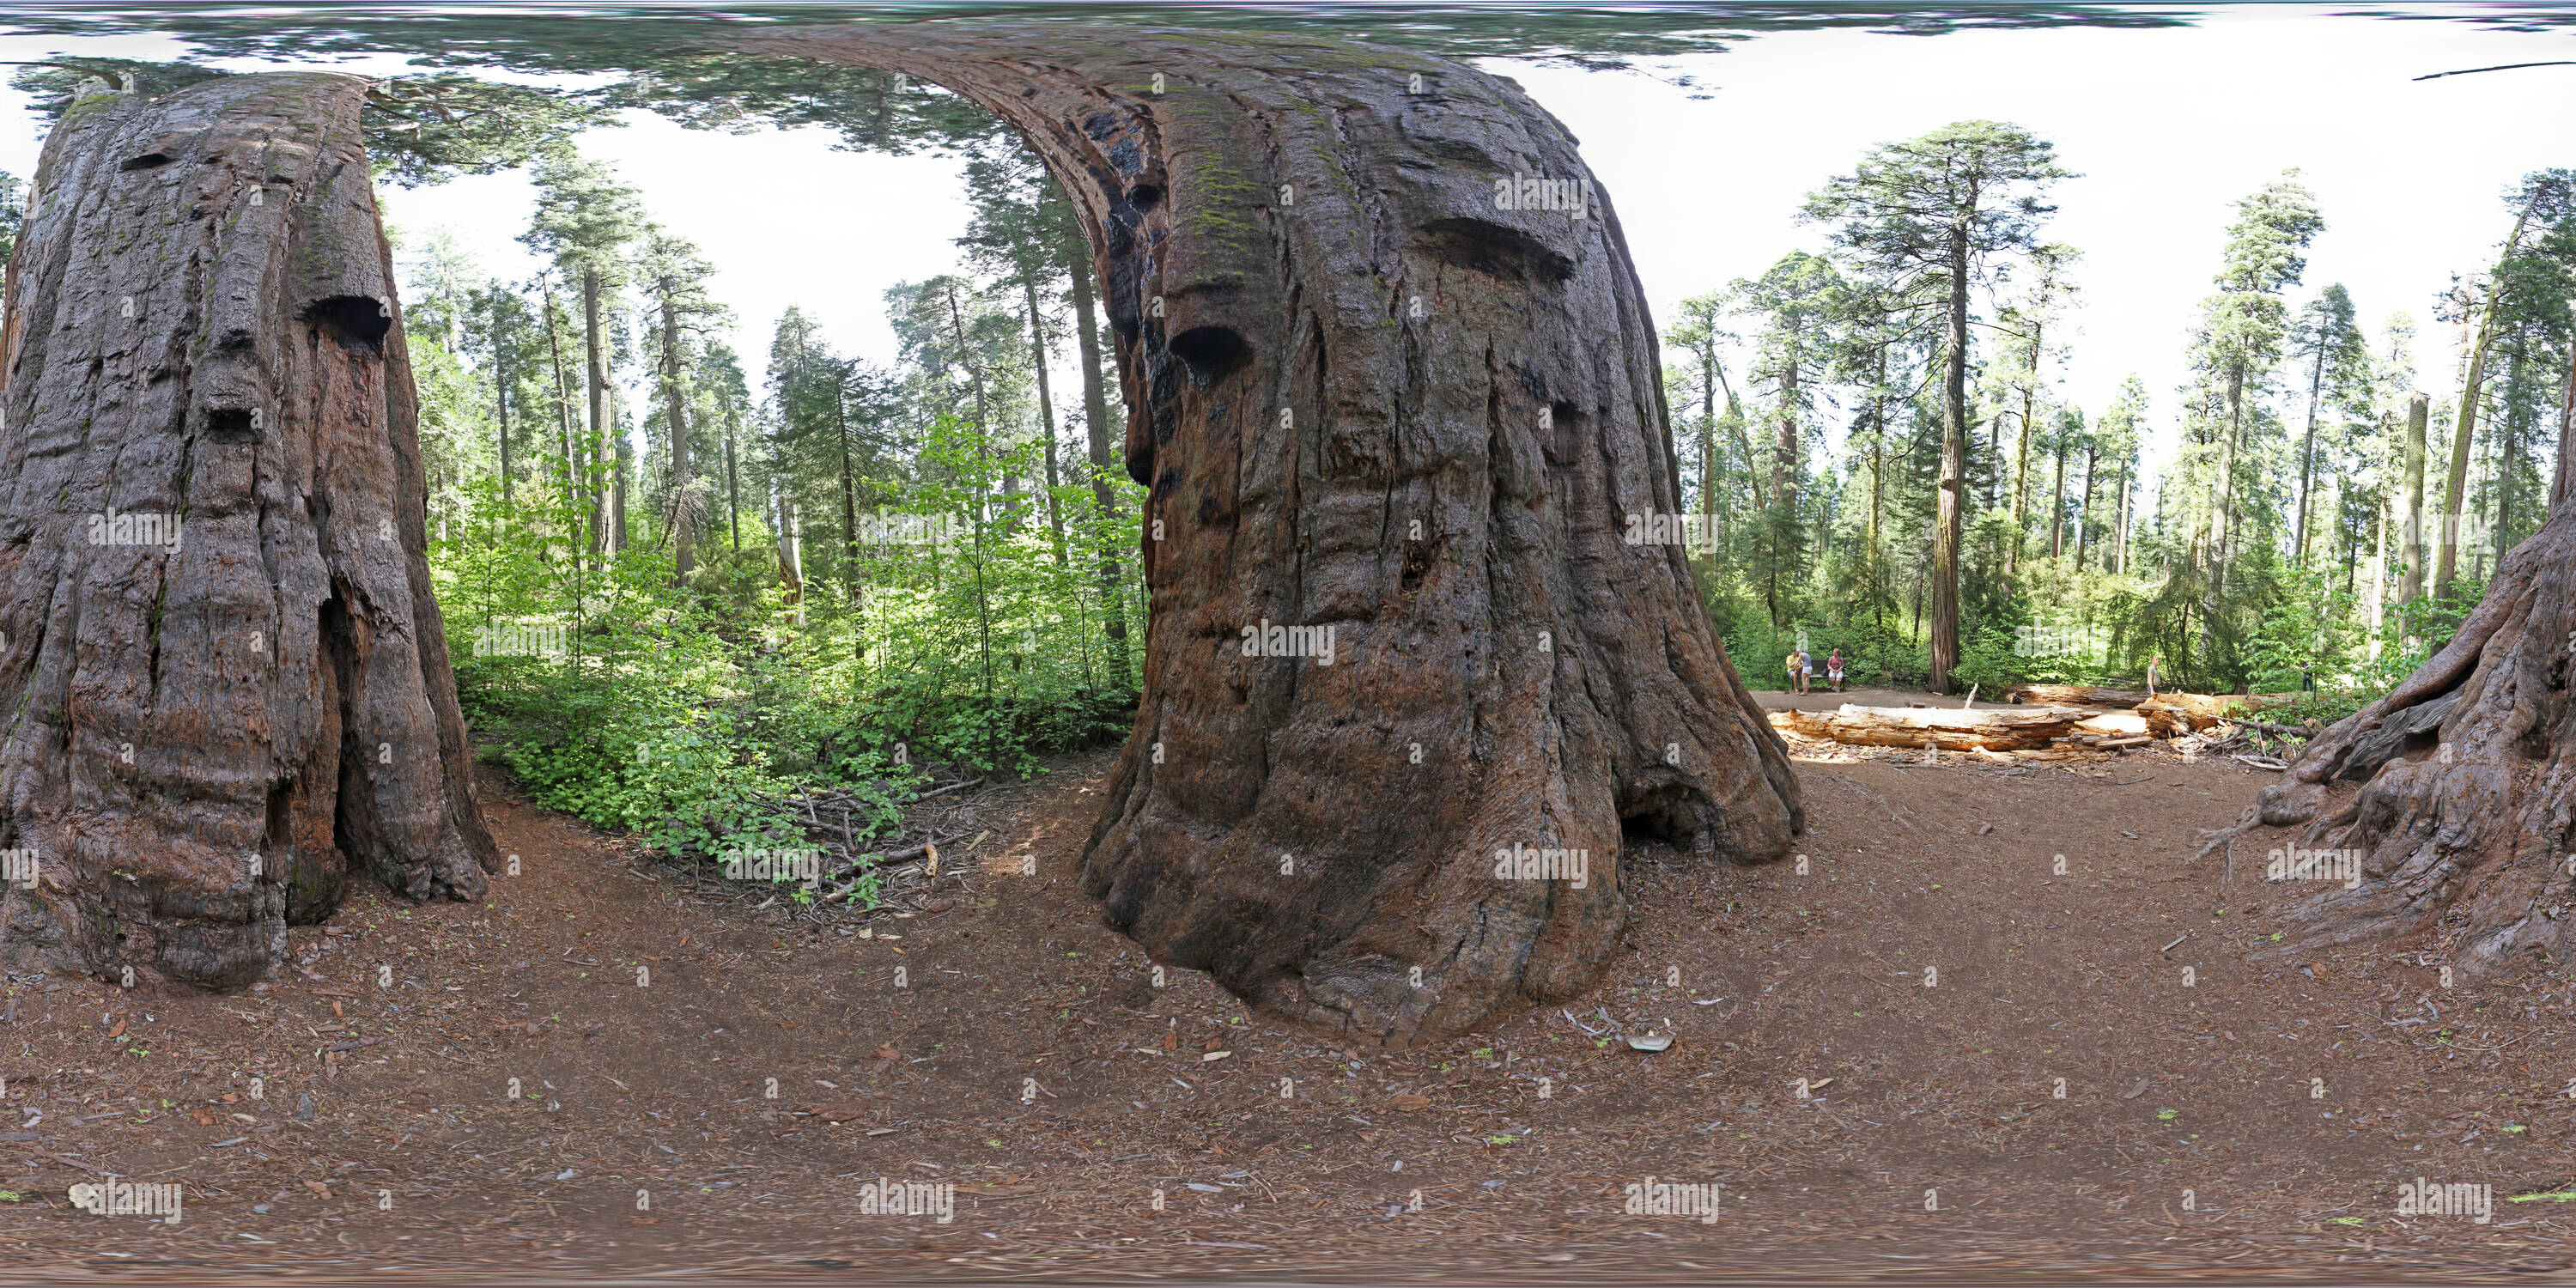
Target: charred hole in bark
x=1660, y=814
x=358, y=322
x=1495, y=250
x=281, y=818
x=147, y=161
x=1565, y=442
x=232, y=425
x=1211, y=353
x=1418, y=556
x=339, y=649
x=1144, y=197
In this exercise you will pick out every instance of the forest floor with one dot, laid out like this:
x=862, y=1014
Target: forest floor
x=1931, y=973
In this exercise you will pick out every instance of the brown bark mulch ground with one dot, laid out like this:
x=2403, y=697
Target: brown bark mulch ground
x=1931, y=975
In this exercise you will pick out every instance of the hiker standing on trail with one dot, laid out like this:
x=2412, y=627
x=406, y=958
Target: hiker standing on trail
x=2152, y=663
x=1834, y=668
x=2307, y=677
x=1797, y=670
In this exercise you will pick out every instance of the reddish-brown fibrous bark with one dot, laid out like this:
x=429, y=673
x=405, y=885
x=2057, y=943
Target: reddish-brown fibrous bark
x=226, y=679
x=2459, y=787
x=1389, y=373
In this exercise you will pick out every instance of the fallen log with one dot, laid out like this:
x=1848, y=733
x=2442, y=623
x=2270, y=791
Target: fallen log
x=2276, y=730
x=1945, y=730
x=2073, y=695
x=2170, y=715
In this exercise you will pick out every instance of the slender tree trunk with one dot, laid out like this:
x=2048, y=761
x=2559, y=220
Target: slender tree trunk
x=1784, y=448
x=2021, y=453
x=974, y=378
x=1708, y=436
x=2455, y=491
x=2563, y=483
x=2223, y=510
x=2379, y=586
x=675, y=404
x=1948, y=528
x=1104, y=456
x=2120, y=535
x=2084, y=511
x=849, y=518
x=2411, y=545
x=733, y=488
x=1290, y=436
x=2057, y=504
x=622, y=465
x=2308, y=450
x=1046, y=419
x=2508, y=454
x=216, y=717
x=791, y=555
x=501, y=400
x=563, y=413
x=594, y=339
x=1743, y=443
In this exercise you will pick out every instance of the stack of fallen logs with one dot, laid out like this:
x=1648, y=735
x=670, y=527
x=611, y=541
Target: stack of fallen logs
x=2065, y=722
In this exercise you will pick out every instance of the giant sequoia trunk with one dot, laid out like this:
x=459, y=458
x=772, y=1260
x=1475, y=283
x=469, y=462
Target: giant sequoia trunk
x=2460, y=785
x=1389, y=373
x=226, y=680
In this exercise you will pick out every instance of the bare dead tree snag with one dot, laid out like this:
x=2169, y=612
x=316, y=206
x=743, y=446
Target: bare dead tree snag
x=1390, y=375
x=2459, y=787
x=227, y=681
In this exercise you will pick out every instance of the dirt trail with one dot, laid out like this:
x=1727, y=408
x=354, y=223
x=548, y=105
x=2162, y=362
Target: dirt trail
x=1932, y=973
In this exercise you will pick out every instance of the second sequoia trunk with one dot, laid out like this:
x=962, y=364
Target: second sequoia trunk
x=1423, y=633
x=227, y=682
x=2457, y=790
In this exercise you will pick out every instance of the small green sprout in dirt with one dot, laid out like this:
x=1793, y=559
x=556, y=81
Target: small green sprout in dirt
x=12, y=1196
x=1502, y=1140
x=1484, y=1053
x=2345, y=1220
x=2167, y=1115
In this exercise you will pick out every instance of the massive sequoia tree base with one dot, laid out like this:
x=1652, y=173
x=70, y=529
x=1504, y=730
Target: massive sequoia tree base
x=2466, y=804
x=1390, y=375
x=227, y=682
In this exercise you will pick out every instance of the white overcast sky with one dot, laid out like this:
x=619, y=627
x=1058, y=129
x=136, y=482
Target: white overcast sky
x=2167, y=128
